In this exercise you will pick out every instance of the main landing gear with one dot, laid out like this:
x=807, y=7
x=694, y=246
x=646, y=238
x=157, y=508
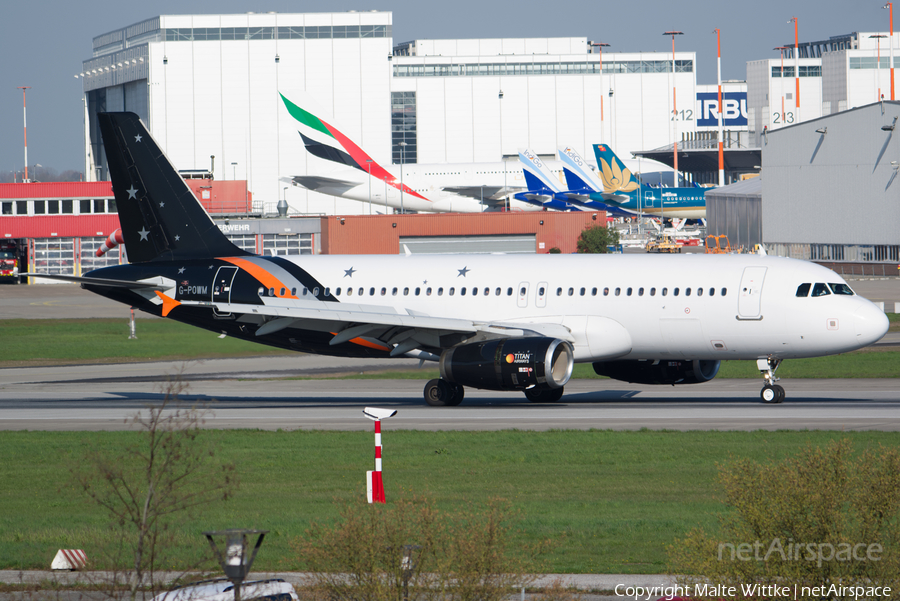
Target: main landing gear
x=441, y=393
x=771, y=392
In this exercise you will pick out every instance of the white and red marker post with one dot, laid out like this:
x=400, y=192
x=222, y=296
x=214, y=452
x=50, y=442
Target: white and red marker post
x=374, y=482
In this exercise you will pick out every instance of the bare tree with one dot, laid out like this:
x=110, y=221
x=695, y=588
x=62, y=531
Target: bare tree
x=150, y=484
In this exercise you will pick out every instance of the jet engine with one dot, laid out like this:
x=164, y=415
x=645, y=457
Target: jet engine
x=659, y=372
x=510, y=364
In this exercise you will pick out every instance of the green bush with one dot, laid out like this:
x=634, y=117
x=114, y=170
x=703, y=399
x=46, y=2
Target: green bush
x=461, y=556
x=827, y=517
x=597, y=239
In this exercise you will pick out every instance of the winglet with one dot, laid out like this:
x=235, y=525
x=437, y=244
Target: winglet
x=168, y=303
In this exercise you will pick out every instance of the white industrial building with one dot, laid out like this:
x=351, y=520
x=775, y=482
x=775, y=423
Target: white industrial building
x=837, y=74
x=208, y=85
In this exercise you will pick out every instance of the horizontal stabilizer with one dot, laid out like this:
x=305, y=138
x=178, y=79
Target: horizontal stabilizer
x=109, y=283
x=317, y=182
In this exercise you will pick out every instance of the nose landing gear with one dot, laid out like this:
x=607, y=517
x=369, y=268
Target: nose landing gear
x=771, y=393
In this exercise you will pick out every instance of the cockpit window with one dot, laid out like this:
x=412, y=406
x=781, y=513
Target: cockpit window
x=841, y=289
x=820, y=290
x=803, y=289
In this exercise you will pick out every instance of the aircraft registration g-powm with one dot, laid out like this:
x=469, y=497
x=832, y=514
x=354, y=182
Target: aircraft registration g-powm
x=497, y=322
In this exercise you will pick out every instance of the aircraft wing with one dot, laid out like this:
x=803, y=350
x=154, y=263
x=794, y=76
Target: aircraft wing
x=315, y=182
x=487, y=193
x=397, y=331
x=614, y=197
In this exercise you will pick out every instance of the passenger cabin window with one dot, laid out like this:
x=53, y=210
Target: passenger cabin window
x=394, y=292
x=675, y=292
x=640, y=292
x=337, y=292
x=665, y=291
x=361, y=291
x=508, y=291
x=522, y=291
x=699, y=291
x=820, y=290
x=316, y=291
x=687, y=291
x=712, y=291
x=474, y=291
x=293, y=292
x=428, y=291
x=724, y=291
x=418, y=290
x=571, y=291
x=628, y=292
x=803, y=289
x=282, y=292
x=371, y=291
x=441, y=291
x=452, y=291
x=593, y=292
x=653, y=292
x=406, y=292
x=841, y=289
x=582, y=292
x=618, y=291
x=559, y=292
x=383, y=291
x=606, y=292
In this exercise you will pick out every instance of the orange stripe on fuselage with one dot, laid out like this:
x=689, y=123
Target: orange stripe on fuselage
x=265, y=278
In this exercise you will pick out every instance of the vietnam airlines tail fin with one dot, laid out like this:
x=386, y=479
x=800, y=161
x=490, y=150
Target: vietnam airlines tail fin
x=616, y=177
x=160, y=217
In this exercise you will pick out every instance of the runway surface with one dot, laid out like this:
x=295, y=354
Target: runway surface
x=244, y=393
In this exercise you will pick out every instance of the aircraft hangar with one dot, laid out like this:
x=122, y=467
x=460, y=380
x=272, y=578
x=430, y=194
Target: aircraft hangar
x=829, y=192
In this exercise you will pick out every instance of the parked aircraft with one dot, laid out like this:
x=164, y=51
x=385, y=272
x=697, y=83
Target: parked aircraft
x=499, y=322
x=622, y=188
x=543, y=189
x=459, y=188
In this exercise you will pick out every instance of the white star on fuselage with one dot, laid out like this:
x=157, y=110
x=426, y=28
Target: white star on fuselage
x=143, y=232
x=137, y=138
x=180, y=271
x=177, y=238
x=132, y=192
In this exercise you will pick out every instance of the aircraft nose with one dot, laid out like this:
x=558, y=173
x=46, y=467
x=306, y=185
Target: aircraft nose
x=871, y=324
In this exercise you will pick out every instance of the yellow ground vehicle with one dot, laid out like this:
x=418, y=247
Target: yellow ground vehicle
x=662, y=244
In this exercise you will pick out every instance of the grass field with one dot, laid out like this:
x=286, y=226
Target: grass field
x=611, y=501
x=52, y=341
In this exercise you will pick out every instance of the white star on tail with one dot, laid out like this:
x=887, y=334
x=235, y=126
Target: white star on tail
x=143, y=232
x=132, y=192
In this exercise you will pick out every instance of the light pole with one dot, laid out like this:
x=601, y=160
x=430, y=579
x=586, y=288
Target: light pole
x=782, y=49
x=402, y=160
x=601, y=46
x=721, y=133
x=878, y=37
x=234, y=558
x=890, y=5
x=369, y=170
x=233, y=171
x=25, y=128
x=796, y=67
x=502, y=160
x=674, y=109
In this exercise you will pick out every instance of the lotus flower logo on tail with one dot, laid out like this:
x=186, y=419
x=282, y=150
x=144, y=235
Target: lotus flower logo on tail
x=616, y=178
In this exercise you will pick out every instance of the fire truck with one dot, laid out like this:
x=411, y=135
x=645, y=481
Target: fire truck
x=9, y=261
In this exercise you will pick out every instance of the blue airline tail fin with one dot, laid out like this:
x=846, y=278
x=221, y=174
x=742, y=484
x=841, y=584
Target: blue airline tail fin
x=616, y=177
x=579, y=176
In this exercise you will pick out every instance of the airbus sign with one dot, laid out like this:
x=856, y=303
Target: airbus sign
x=734, y=113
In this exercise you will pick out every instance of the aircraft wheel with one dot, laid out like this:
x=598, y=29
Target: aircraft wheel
x=542, y=395
x=459, y=392
x=779, y=393
x=769, y=394
x=441, y=393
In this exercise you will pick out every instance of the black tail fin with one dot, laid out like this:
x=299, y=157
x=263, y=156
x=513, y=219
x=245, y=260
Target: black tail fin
x=160, y=217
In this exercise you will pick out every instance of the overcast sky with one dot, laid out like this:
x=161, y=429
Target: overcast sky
x=43, y=42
